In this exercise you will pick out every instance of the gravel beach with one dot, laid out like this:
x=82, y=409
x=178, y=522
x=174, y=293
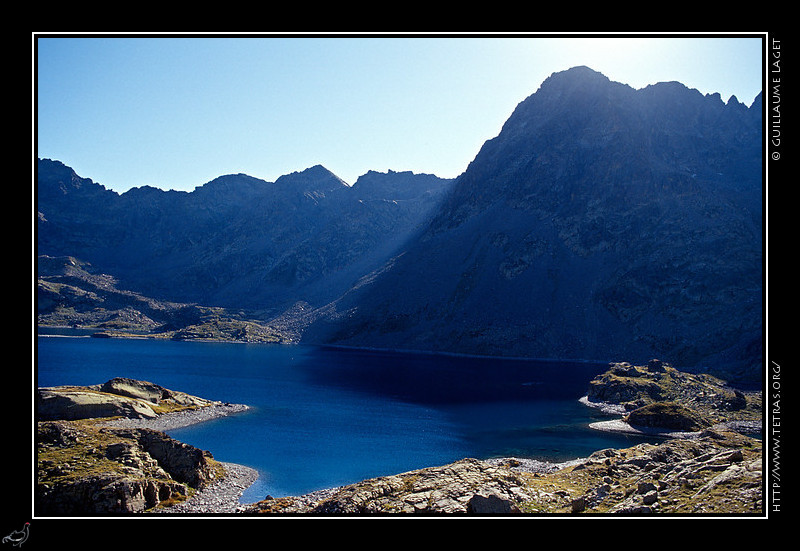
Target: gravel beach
x=178, y=419
x=223, y=495
x=219, y=497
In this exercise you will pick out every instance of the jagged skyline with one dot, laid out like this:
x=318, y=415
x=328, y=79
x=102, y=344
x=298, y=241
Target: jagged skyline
x=174, y=112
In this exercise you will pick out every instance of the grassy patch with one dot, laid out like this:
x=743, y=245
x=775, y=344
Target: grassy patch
x=67, y=451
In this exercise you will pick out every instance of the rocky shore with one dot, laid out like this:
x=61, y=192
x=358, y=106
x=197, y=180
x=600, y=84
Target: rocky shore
x=102, y=449
x=704, y=462
x=716, y=473
x=220, y=497
x=658, y=400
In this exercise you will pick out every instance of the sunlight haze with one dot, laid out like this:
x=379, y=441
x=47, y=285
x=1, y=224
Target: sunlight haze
x=176, y=112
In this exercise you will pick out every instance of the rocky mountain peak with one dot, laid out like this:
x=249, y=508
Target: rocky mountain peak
x=231, y=182
x=579, y=76
x=55, y=179
x=601, y=221
x=314, y=179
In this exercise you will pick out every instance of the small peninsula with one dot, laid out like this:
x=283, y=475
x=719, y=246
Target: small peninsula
x=658, y=399
x=100, y=449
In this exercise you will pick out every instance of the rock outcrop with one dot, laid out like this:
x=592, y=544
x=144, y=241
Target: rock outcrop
x=86, y=469
x=666, y=415
x=153, y=393
x=69, y=404
x=719, y=472
x=89, y=465
x=658, y=396
x=465, y=486
x=119, y=397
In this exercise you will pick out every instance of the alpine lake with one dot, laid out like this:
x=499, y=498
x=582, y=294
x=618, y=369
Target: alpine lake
x=322, y=417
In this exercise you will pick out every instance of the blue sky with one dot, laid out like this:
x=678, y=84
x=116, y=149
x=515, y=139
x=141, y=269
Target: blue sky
x=176, y=112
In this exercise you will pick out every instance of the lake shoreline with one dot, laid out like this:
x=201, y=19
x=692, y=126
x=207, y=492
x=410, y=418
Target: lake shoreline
x=180, y=419
x=221, y=496
x=621, y=427
x=224, y=495
x=89, y=332
x=240, y=483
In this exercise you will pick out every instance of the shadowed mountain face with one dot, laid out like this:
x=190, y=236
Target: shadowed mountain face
x=236, y=241
x=602, y=222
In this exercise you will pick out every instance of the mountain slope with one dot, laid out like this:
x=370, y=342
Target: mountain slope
x=602, y=222
x=236, y=241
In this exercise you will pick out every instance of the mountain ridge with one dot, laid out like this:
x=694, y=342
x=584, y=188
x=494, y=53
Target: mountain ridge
x=235, y=241
x=601, y=222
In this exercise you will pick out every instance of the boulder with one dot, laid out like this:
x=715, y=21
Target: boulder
x=491, y=504
x=656, y=366
x=69, y=404
x=132, y=388
x=666, y=415
x=113, y=471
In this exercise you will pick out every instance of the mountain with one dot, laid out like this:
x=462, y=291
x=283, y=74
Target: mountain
x=236, y=241
x=602, y=222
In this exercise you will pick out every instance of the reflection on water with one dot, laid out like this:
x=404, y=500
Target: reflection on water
x=440, y=378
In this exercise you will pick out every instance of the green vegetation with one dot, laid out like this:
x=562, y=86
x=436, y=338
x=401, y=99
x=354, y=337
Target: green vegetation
x=71, y=454
x=72, y=450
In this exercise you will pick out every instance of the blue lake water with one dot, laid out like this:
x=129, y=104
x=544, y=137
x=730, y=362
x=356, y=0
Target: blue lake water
x=323, y=417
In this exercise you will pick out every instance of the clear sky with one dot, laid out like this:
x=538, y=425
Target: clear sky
x=175, y=112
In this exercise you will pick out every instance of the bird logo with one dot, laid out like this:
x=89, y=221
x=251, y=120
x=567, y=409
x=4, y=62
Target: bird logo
x=18, y=537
